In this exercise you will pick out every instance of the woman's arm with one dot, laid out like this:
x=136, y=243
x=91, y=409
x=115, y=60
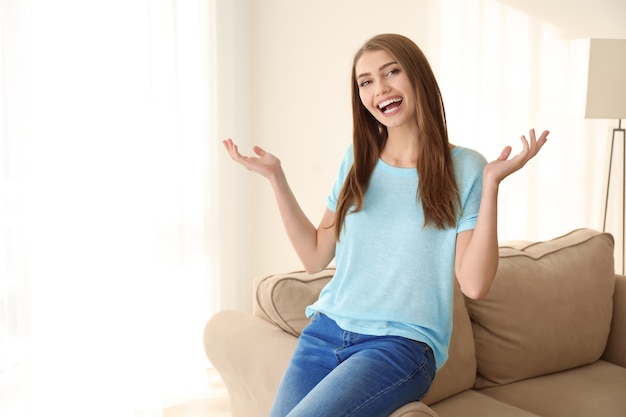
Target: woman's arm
x=477, y=255
x=315, y=246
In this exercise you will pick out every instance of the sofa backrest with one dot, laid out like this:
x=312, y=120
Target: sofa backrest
x=549, y=308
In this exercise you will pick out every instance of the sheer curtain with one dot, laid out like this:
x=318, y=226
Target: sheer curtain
x=519, y=71
x=106, y=249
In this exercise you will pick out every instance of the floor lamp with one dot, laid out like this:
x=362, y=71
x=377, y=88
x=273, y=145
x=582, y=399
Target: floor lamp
x=606, y=99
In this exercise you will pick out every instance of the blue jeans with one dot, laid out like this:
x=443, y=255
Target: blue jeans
x=335, y=373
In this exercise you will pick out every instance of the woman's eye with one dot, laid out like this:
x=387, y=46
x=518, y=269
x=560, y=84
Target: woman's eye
x=392, y=72
x=364, y=83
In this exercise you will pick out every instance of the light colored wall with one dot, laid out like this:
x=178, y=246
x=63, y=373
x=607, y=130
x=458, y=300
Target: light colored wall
x=503, y=66
x=233, y=209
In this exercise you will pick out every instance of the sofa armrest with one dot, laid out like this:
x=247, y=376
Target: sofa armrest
x=414, y=409
x=251, y=356
x=616, y=345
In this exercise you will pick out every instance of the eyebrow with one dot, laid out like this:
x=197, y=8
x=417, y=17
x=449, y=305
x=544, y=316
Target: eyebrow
x=382, y=67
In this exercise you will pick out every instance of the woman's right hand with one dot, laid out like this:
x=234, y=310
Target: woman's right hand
x=315, y=246
x=264, y=163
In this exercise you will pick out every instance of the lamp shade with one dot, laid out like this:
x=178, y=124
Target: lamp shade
x=606, y=80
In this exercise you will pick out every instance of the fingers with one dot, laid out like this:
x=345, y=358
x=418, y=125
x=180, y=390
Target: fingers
x=532, y=147
x=506, y=152
x=251, y=163
x=533, y=138
x=259, y=151
x=232, y=149
x=525, y=145
x=228, y=144
x=543, y=138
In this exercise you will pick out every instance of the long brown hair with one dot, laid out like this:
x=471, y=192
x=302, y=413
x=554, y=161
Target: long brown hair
x=437, y=188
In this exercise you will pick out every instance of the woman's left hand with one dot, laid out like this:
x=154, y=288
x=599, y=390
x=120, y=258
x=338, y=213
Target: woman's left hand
x=503, y=166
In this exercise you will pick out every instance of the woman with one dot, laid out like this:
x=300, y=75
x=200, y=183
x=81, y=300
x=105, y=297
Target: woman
x=409, y=212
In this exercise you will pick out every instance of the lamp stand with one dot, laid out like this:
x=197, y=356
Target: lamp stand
x=617, y=130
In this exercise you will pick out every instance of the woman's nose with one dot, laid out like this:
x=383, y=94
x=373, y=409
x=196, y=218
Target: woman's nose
x=382, y=89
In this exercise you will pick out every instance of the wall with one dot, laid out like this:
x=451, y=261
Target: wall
x=504, y=66
x=234, y=240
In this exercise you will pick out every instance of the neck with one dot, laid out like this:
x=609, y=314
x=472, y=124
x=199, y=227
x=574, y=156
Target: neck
x=401, y=147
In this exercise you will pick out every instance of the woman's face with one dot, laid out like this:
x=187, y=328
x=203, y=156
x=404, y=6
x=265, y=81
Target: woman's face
x=385, y=89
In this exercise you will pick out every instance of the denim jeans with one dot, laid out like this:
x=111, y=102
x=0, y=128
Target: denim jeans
x=335, y=373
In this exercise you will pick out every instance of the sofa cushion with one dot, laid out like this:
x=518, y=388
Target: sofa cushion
x=549, y=308
x=598, y=389
x=282, y=298
x=474, y=404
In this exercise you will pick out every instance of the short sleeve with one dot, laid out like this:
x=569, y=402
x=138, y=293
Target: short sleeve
x=469, y=166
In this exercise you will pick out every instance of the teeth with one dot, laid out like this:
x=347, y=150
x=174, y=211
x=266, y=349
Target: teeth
x=388, y=102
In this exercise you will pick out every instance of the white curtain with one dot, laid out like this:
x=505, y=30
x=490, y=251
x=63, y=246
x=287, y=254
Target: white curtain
x=504, y=70
x=106, y=215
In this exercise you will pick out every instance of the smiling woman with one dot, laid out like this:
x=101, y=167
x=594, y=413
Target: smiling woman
x=106, y=260
x=408, y=213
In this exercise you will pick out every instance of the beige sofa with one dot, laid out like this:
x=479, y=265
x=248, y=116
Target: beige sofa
x=548, y=340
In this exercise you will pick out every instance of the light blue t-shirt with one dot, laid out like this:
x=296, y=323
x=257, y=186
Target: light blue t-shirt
x=394, y=276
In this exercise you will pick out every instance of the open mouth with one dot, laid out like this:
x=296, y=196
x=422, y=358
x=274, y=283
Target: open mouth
x=390, y=105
